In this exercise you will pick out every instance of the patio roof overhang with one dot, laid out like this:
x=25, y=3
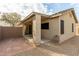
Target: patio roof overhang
x=32, y=15
x=43, y=16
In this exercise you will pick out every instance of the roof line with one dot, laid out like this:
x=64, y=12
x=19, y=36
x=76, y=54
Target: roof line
x=33, y=13
x=62, y=11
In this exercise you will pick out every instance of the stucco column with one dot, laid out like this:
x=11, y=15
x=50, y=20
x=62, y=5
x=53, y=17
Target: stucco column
x=37, y=29
x=24, y=28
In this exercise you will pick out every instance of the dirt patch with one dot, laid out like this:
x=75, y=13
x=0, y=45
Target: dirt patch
x=68, y=48
x=12, y=46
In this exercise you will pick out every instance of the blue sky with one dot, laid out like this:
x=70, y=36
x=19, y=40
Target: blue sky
x=56, y=7
x=48, y=8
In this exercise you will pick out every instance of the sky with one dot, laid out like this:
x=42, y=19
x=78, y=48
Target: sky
x=47, y=8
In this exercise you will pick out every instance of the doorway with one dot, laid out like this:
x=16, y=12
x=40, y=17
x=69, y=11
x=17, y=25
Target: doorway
x=30, y=29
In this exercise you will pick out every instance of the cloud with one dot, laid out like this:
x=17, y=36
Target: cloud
x=38, y=7
x=76, y=8
x=23, y=8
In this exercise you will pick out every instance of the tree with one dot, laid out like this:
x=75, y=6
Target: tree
x=11, y=18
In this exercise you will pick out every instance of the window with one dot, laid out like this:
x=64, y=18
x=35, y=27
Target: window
x=62, y=27
x=45, y=26
x=72, y=27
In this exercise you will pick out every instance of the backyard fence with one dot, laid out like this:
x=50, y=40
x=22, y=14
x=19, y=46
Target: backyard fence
x=10, y=32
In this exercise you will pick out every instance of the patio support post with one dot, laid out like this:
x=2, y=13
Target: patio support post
x=37, y=29
x=24, y=28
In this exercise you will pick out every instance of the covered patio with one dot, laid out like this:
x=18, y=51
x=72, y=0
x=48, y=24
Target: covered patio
x=32, y=27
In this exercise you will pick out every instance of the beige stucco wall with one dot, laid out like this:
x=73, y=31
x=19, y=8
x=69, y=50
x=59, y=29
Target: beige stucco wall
x=68, y=20
x=24, y=28
x=53, y=29
x=77, y=29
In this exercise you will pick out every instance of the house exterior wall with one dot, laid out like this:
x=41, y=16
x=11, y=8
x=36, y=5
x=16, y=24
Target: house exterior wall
x=68, y=20
x=53, y=29
x=77, y=29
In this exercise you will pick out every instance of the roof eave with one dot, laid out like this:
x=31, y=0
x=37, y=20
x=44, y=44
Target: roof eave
x=33, y=14
x=74, y=16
